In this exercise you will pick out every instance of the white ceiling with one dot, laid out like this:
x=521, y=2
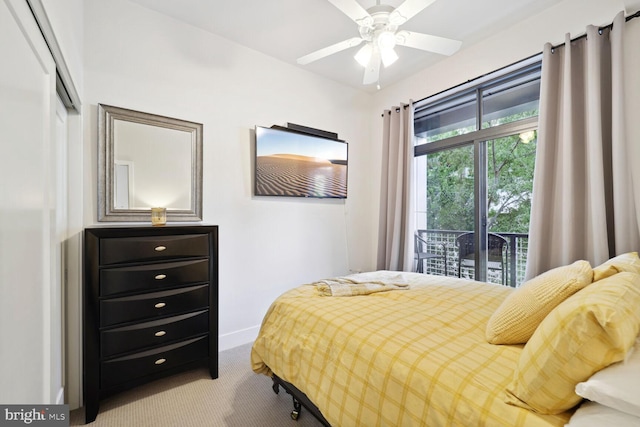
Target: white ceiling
x=289, y=29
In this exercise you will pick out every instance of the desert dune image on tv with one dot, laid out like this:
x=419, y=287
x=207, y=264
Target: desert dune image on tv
x=298, y=165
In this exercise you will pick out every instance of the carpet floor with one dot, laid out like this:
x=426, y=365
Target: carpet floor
x=237, y=398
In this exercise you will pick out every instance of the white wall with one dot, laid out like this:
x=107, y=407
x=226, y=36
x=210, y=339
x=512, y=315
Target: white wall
x=518, y=42
x=141, y=60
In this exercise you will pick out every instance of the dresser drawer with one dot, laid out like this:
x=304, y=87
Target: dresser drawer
x=150, y=248
x=153, y=276
x=137, y=365
x=157, y=332
x=154, y=304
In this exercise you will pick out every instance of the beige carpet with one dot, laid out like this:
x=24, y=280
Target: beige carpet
x=238, y=397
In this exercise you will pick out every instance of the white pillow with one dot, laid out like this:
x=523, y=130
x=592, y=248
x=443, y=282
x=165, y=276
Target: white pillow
x=616, y=386
x=592, y=414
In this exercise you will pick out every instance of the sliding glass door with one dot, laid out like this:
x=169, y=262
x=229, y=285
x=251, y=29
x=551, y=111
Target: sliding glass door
x=474, y=157
x=446, y=203
x=509, y=185
x=474, y=202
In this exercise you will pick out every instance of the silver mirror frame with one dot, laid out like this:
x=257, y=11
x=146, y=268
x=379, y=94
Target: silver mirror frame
x=106, y=148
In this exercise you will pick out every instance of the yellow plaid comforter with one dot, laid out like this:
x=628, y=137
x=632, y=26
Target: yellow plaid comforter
x=414, y=357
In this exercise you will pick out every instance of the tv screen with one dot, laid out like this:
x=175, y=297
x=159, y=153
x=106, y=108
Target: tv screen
x=294, y=164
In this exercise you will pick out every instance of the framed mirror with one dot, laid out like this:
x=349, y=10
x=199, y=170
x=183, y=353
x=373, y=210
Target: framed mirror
x=145, y=161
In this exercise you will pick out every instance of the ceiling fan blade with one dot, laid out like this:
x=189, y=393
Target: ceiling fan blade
x=329, y=50
x=428, y=42
x=372, y=70
x=353, y=10
x=408, y=10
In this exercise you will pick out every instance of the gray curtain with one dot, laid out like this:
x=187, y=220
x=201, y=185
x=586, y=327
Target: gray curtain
x=583, y=204
x=396, y=227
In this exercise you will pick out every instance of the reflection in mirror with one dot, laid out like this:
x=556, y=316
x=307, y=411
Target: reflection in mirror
x=147, y=161
x=146, y=179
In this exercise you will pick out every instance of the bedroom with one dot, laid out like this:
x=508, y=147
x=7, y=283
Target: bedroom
x=178, y=70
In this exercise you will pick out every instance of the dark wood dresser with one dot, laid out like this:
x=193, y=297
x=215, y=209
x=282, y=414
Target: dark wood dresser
x=150, y=306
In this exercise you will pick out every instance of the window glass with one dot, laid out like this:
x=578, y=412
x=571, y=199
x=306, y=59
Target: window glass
x=510, y=165
x=511, y=101
x=453, y=116
x=450, y=198
x=445, y=203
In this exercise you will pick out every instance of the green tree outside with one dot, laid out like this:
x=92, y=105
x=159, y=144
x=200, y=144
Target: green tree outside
x=450, y=185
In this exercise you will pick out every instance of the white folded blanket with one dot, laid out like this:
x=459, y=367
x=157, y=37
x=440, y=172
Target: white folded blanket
x=358, y=284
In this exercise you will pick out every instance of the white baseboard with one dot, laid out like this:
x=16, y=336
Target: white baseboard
x=60, y=397
x=237, y=338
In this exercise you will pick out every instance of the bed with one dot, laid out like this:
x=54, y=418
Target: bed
x=409, y=349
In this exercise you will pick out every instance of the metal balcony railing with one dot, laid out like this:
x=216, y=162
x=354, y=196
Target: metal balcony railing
x=443, y=242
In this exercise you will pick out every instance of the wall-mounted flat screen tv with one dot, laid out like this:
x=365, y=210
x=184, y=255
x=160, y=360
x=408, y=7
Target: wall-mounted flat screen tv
x=294, y=164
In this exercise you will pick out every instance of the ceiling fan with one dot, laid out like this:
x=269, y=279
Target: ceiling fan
x=378, y=27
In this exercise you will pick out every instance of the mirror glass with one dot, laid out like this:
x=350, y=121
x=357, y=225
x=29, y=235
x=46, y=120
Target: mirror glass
x=146, y=161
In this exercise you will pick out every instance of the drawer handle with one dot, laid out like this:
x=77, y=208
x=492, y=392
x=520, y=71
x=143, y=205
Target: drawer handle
x=161, y=276
x=160, y=248
x=160, y=333
x=160, y=361
x=160, y=305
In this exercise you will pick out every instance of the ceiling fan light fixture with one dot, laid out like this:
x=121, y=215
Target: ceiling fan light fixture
x=388, y=56
x=386, y=40
x=378, y=28
x=363, y=56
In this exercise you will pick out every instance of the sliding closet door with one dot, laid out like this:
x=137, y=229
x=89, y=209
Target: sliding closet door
x=27, y=207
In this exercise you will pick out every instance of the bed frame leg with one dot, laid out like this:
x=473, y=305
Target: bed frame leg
x=297, y=406
x=299, y=400
x=296, y=409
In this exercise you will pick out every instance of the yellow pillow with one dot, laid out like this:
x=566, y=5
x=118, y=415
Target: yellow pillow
x=625, y=262
x=521, y=312
x=604, y=271
x=587, y=332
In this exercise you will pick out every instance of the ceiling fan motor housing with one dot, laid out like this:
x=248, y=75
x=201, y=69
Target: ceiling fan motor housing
x=377, y=23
